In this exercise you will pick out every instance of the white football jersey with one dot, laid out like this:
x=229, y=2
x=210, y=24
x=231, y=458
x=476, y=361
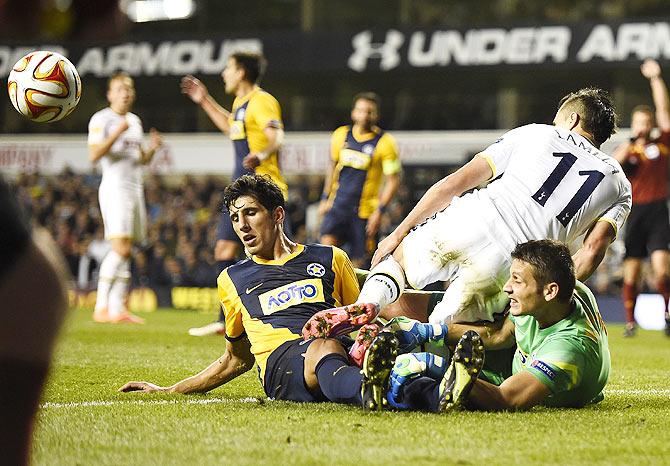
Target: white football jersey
x=549, y=183
x=121, y=165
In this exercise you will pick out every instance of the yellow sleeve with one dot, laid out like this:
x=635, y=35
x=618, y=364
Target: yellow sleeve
x=388, y=151
x=337, y=142
x=266, y=111
x=232, y=307
x=346, y=284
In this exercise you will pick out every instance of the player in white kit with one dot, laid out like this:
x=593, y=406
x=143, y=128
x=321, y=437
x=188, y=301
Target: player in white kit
x=549, y=182
x=115, y=139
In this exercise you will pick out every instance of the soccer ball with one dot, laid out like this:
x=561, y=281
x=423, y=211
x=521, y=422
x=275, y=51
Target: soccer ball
x=44, y=86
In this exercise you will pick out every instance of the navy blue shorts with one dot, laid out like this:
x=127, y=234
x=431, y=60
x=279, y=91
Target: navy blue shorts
x=350, y=232
x=225, y=231
x=285, y=371
x=647, y=229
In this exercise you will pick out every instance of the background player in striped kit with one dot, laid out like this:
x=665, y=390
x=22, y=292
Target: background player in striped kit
x=645, y=161
x=115, y=140
x=255, y=126
x=353, y=200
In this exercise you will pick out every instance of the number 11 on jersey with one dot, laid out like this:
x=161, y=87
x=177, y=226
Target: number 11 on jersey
x=567, y=160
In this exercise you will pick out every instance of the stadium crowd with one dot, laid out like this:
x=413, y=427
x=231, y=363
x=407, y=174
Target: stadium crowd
x=182, y=221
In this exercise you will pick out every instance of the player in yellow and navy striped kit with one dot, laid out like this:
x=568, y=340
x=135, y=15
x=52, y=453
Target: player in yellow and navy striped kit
x=267, y=300
x=255, y=127
x=353, y=201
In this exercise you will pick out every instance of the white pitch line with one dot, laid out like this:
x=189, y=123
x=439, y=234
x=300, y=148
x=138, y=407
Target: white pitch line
x=651, y=391
x=207, y=401
x=82, y=404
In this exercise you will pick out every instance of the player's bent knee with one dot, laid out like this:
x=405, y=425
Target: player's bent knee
x=320, y=348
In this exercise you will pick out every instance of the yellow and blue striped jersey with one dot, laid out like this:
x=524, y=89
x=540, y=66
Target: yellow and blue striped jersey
x=360, y=160
x=248, y=118
x=270, y=301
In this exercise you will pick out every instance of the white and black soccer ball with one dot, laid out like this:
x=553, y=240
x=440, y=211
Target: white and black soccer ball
x=44, y=86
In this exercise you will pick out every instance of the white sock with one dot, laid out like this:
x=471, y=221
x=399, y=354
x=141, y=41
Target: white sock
x=106, y=277
x=119, y=290
x=384, y=284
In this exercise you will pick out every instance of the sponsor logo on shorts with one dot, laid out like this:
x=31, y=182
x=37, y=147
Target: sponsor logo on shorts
x=544, y=368
x=303, y=291
x=316, y=270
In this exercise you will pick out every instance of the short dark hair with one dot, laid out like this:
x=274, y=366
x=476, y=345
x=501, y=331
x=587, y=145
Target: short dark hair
x=370, y=96
x=260, y=187
x=596, y=110
x=552, y=262
x=252, y=63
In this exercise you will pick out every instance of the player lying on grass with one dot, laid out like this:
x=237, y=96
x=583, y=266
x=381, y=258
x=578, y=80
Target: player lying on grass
x=269, y=297
x=562, y=357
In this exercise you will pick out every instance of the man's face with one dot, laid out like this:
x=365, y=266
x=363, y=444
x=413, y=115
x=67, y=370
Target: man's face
x=526, y=297
x=254, y=225
x=364, y=113
x=232, y=75
x=121, y=95
x=641, y=124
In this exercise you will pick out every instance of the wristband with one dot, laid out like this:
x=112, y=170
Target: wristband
x=381, y=208
x=262, y=155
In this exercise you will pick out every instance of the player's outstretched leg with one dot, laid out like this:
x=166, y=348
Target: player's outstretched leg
x=366, y=334
x=461, y=374
x=377, y=367
x=339, y=320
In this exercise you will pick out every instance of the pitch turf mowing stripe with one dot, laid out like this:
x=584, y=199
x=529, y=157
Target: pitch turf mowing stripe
x=650, y=392
x=149, y=402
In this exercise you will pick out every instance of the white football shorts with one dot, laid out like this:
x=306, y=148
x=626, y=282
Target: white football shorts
x=451, y=247
x=123, y=213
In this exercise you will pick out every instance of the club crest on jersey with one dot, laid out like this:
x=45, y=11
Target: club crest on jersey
x=303, y=291
x=316, y=270
x=368, y=149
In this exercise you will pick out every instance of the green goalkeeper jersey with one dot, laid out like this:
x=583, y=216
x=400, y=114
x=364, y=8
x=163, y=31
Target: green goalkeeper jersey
x=570, y=357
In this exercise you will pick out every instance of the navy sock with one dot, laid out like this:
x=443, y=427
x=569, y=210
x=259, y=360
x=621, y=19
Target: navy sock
x=339, y=381
x=422, y=394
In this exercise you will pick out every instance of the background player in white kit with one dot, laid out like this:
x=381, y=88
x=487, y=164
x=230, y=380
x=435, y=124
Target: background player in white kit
x=115, y=139
x=550, y=182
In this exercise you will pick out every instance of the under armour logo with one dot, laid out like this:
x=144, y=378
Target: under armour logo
x=387, y=51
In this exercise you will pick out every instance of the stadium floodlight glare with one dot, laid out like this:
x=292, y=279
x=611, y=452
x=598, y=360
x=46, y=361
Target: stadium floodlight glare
x=142, y=11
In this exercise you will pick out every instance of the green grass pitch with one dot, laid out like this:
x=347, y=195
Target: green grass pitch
x=83, y=420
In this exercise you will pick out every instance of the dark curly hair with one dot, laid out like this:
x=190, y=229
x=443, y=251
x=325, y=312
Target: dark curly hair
x=596, y=110
x=260, y=187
